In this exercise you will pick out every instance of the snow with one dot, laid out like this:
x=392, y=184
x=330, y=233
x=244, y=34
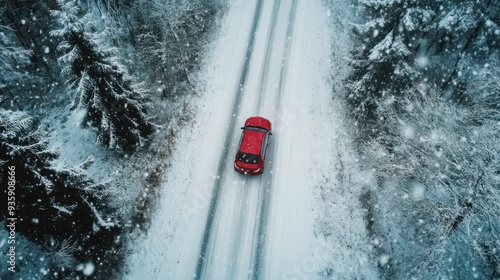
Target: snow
x=418, y=191
x=87, y=268
x=278, y=225
x=384, y=259
x=422, y=61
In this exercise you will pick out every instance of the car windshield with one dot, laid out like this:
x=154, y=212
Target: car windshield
x=248, y=158
x=255, y=128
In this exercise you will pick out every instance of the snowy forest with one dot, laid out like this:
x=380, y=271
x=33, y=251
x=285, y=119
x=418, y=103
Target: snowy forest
x=424, y=94
x=116, y=69
x=94, y=92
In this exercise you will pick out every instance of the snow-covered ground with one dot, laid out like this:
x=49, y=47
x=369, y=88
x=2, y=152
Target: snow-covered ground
x=302, y=218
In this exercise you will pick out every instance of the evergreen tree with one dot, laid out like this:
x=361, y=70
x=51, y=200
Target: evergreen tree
x=26, y=20
x=12, y=58
x=407, y=42
x=385, y=63
x=48, y=198
x=115, y=104
x=464, y=31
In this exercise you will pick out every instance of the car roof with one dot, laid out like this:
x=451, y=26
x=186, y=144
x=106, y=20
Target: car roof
x=252, y=141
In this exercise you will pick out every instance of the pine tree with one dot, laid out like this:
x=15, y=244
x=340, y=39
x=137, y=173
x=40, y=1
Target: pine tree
x=465, y=31
x=409, y=42
x=384, y=65
x=48, y=198
x=115, y=104
x=12, y=58
x=25, y=19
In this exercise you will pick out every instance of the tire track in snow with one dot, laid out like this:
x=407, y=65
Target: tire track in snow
x=265, y=189
x=241, y=228
x=287, y=55
x=214, y=201
x=267, y=57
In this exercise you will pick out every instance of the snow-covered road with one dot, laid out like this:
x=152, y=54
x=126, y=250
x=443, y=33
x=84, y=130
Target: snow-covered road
x=273, y=59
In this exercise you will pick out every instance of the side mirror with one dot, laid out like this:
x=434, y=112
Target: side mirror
x=242, y=127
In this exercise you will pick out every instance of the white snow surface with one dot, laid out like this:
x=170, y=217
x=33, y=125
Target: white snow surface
x=306, y=204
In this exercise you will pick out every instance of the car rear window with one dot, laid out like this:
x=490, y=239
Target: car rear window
x=256, y=128
x=248, y=158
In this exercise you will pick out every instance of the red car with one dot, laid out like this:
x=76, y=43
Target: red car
x=251, y=153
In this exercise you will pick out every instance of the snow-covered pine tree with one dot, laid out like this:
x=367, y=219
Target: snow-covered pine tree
x=405, y=42
x=12, y=58
x=51, y=202
x=27, y=19
x=384, y=63
x=115, y=104
x=466, y=32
